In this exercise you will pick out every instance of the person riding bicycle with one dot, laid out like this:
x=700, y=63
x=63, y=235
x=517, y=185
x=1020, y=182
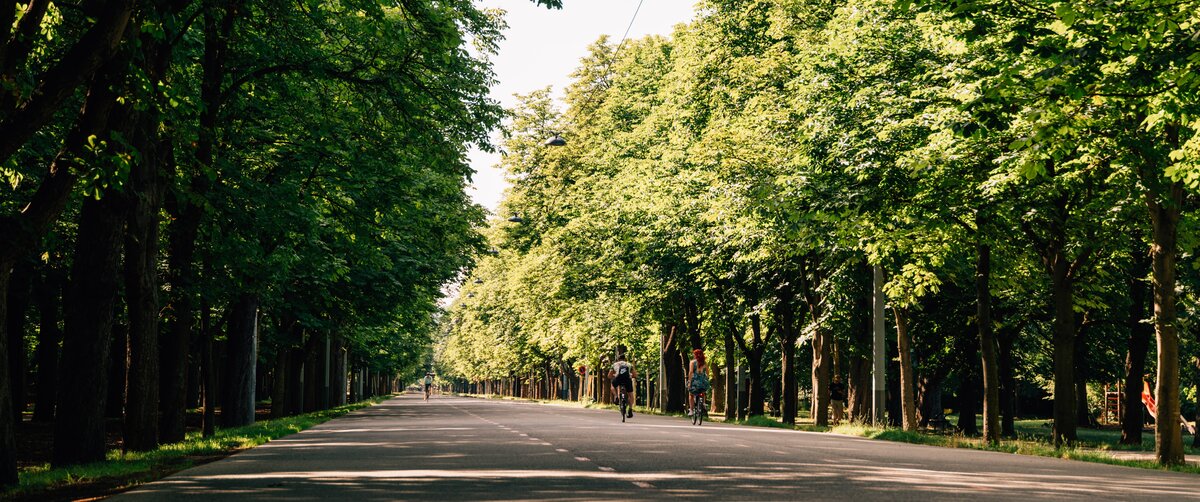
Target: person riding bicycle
x=622, y=375
x=697, y=378
x=428, y=384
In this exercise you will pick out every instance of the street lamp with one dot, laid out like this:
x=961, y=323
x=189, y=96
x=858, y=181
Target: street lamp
x=478, y=281
x=556, y=141
x=516, y=219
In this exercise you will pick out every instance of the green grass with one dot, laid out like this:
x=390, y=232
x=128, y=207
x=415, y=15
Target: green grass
x=1029, y=445
x=121, y=469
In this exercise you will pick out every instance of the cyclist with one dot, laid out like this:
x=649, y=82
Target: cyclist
x=622, y=375
x=428, y=384
x=697, y=378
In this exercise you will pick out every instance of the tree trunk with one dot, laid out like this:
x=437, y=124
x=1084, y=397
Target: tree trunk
x=141, y=297
x=967, y=398
x=754, y=364
x=208, y=372
x=337, y=386
x=731, y=386
x=1196, y=414
x=787, y=348
x=1136, y=347
x=49, y=337
x=691, y=315
x=294, y=402
x=89, y=306
x=1008, y=383
x=908, y=402
x=673, y=378
x=858, y=384
x=181, y=246
x=1164, y=217
x=118, y=372
x=18, y=305
x=1083, y=417
x=987, y=338
x=240, y=358
x=1062, y=291
x=279, y=394
x=930, y=398
x=8, y=428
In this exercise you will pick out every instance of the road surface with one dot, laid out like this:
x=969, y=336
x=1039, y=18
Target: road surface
x=474, y=449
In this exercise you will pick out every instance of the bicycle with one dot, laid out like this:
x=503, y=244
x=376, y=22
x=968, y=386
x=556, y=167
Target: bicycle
x=622, y=404
x=699, y=409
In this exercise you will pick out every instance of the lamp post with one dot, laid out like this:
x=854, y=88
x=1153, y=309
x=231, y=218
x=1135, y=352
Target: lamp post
x=556, y=140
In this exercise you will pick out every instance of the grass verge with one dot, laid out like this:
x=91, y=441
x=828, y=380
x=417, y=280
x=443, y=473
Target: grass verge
x=122, y=470
x=1018, y=446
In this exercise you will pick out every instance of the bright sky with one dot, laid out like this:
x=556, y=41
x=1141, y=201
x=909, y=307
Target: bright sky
x=542, y=47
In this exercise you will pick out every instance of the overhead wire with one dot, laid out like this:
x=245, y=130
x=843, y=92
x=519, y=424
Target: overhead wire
x=616, y=52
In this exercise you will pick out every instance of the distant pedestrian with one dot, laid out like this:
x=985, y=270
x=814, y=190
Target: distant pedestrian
x=837, y=396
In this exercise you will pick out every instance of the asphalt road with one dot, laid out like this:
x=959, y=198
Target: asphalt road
x=473, y=449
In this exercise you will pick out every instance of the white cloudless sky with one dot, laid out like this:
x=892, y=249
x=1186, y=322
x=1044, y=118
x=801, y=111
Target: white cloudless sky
x=543, y=46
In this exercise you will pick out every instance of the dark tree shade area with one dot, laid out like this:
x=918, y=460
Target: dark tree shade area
x=216, y=203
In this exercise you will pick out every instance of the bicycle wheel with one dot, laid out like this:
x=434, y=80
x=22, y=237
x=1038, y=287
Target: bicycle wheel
x=622, y=408
x=700, y=410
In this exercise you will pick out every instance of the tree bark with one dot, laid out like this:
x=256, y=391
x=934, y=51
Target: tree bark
x=240, y=359
x=908, y=402
x=987, y=337
x=1083, y=411
x=1137, y=345
x=731, y=387
x=967, y=398
x=208, y=372
x=1164, y=218
x=89, y=306
x=144, y=191
x=49, y=337
x=753, y=353
x=1008, y=383
x=17, y=319
x=1062, y=292
x=787, y=347
x=673, y=378
x=118, y=372
x=8, y=428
